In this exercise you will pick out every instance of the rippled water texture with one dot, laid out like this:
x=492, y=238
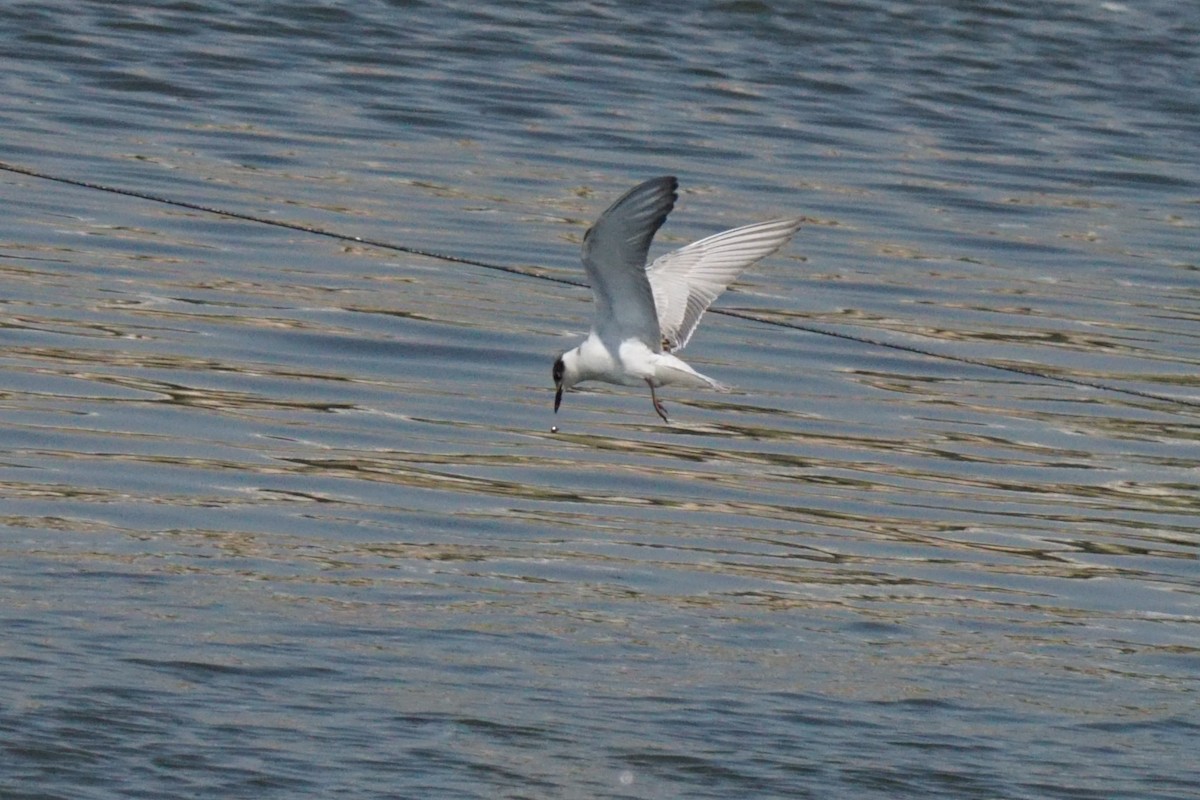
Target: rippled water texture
x=281, y=515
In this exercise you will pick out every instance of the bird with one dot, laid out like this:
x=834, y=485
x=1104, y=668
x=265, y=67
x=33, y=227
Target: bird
x=644, y=314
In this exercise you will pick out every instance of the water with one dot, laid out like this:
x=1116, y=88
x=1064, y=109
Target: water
x=282, y=516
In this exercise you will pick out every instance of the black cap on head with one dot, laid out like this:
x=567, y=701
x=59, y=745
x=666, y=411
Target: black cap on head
x=557, y=372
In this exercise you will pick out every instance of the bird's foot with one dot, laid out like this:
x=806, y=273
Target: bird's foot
x=658, y=406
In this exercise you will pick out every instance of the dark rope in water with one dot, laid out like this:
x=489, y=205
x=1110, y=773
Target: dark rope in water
x=1031, y=372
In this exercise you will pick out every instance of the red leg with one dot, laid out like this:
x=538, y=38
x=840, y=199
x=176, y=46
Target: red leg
x=662, y=412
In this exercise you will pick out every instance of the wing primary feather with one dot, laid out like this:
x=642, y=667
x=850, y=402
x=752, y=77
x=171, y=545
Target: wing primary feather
x=614, y=255
x=685, y=282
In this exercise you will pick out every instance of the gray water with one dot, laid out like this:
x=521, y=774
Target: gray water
x=282, y=516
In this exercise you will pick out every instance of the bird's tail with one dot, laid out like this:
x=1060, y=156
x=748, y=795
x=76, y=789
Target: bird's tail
x=675, y=371
x=717, y=386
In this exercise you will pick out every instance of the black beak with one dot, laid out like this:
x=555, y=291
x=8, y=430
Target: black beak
x=558, y=398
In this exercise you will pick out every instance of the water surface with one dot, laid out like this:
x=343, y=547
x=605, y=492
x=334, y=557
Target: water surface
x=283, y=515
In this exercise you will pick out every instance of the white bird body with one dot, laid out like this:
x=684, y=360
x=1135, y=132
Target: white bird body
x=639, y=309
x=628, y=363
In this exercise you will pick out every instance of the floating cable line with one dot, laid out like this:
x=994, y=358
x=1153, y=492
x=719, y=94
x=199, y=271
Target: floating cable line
x=1031, y=372
x=295, y=226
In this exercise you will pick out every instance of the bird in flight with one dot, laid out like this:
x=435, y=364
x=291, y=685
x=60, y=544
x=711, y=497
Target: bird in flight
x=644, y=314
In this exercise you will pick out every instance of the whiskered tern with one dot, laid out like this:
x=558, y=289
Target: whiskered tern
x=644, y=313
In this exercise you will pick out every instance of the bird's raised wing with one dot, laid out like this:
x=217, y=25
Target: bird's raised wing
x=685, y=282
x=614, y=254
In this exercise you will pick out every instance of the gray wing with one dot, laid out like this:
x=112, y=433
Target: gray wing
x=686, y=282
x=614, y=254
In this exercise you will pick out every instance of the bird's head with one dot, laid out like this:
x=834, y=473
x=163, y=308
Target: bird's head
x=565, y=373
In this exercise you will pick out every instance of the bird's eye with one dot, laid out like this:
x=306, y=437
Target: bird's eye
x=558, y=371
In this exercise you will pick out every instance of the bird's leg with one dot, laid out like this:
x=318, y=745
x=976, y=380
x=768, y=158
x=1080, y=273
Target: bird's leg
x=662, y=412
